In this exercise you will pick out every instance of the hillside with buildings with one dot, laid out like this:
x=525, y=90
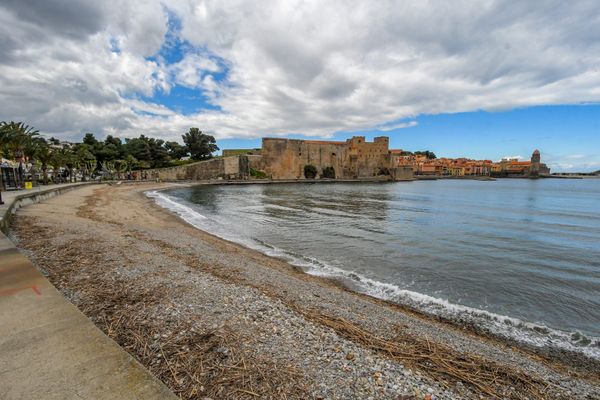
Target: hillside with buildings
x=422, y=165
x=357, y=158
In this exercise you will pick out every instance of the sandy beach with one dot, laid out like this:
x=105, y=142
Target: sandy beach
x=213, y=319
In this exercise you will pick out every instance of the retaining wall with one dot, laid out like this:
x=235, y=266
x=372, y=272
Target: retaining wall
x=48, y=348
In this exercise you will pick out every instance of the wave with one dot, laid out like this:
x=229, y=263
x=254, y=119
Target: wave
x=511, y=328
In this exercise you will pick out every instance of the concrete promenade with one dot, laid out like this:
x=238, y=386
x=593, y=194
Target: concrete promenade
x=48, y=348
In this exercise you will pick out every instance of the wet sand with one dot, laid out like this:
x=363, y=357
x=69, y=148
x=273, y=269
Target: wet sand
x=214, y=319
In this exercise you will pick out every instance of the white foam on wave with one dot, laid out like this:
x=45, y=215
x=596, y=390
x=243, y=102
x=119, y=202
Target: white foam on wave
x=509, y=327
x=186, y=213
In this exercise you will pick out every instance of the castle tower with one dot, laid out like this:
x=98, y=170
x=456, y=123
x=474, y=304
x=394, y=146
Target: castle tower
x=535, y=163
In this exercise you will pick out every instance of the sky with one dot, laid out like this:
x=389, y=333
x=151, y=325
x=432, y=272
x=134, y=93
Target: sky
x=485, y=80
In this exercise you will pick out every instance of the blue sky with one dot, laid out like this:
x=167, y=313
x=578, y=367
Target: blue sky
x=500, y=79
x=566, y=135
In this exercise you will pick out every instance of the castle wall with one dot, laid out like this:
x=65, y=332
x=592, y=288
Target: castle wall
x=217, y=168
x=286, y=159
x=354, y=158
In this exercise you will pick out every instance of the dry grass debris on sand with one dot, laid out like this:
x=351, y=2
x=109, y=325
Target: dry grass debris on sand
x=214, y=320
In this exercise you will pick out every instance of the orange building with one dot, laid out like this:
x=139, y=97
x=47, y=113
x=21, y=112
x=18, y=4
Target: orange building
x=515, y=167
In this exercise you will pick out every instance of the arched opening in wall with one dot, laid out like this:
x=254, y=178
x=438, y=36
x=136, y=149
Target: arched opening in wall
x=333, y=154
x=310, y=171
x=328, y=172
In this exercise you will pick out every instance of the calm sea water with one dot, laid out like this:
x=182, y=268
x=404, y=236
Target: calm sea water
x=520, y=258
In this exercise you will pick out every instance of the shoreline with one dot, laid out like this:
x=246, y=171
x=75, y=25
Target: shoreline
x=318, y=302
x=560, y=356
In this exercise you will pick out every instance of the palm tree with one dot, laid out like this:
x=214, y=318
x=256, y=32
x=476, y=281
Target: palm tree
x=19, y=136
x=90, y=166
x=69, y=161
x=120, y=167
x=109, y=166
x=57, y=160
x=85, y=161
x=16, y=138
x=44, y=156
x=5, y=134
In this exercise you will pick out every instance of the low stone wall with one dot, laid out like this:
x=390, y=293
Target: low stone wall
x=32, y=197
x=404, y=173
x=238, y=168
x=225, y=168
x=49, y=349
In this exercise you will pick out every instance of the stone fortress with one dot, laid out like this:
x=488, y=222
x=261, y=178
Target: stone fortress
x=353, y=159
x=286, y=159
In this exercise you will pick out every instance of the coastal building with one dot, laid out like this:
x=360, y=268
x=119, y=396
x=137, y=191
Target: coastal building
x=421, y=165
x=516, y=167
x=351, y=159
x=354, y=158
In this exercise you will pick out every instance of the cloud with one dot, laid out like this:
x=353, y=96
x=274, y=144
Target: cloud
x=399, y=125
x=512, y=158
x=294, y=67
x=572, y=162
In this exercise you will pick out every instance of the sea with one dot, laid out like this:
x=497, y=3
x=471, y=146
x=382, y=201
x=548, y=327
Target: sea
x=516, y=258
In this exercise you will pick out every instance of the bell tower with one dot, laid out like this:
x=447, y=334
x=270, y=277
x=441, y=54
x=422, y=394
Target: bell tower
x=535, y=163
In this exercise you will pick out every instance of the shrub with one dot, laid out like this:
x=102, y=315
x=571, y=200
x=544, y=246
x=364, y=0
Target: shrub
x=256, y=173
x=328, y=172
x=310, y=171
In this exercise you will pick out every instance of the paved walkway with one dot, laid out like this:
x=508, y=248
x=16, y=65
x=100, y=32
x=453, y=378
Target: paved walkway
x=48, y=348
x=10, y=196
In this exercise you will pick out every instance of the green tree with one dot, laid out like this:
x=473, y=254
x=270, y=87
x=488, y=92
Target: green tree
x=139, y=148
x=109, y=167
x=175, y=150
x=109, y=150
x=199, y=145
x=429, y=154
x=149, y=152
x=159, y=155
x=17, y=137
x=85, y=160
x=57, y=161
x=69, y=161
x=90, y=140
x=121, y=168
x=132, y=162
x=44, y=156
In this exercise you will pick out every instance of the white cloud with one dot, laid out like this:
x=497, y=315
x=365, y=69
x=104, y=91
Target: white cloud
x=191, y=71
x=293, y=67
x=572, y=162
x=399, y=125
x=512, y=158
